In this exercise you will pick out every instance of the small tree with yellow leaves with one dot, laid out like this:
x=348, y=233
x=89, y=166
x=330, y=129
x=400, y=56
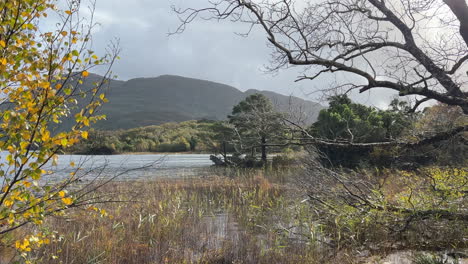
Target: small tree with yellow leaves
x=40, y=84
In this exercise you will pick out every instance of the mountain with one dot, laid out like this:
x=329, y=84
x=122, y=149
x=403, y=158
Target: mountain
x=167, y=98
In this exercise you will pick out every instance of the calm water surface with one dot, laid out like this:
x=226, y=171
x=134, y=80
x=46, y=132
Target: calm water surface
x=130, y=166
x=138, y=166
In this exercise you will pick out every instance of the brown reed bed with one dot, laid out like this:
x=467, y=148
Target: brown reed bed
x=216, y=219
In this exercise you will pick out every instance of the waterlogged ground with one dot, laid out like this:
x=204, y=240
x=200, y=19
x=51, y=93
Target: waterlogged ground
x=178, y=209
x=215, y=219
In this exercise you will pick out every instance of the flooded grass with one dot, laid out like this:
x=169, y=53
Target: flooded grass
x=248, y=219
x=243, y=216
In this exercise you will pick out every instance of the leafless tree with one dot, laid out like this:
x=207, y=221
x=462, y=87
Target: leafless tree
x=414, y=47
x=417, y=48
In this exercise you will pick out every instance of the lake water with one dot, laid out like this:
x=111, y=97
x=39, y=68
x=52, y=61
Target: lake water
x=137, y=166
x=139, y=160
x=130, y=166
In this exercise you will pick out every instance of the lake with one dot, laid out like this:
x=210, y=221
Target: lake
x=134, y=166
x=137, y=166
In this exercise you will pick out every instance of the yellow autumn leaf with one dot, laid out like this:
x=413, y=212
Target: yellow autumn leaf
x=68, y=12
x=67, y=200
x=85, y=74
x=2, y=44
x=24, y=144
x=64, y=33
x=103, y=212
x=72, y=164
x=45, y=85
x=62, y=194
x=11, y=149
x=45, y=136
x=84, y=134
x=24, y=246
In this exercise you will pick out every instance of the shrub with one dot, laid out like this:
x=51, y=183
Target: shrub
x=172, y=147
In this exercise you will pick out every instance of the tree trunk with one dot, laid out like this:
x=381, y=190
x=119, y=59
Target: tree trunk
x=224, y=151
x=264, y=151
x=460, y=9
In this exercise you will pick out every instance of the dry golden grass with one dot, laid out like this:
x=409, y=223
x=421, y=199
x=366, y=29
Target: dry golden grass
x=210, y=220
x=254, y=217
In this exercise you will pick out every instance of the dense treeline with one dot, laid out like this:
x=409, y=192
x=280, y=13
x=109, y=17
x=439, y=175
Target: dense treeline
x=353, y=123
x=186, y=136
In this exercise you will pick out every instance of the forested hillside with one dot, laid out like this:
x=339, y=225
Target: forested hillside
x=153, y=101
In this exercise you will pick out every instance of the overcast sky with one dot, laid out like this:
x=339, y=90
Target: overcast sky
x=207, y=50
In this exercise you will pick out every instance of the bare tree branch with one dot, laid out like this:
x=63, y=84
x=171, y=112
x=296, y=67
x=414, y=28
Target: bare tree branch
x=386, y=44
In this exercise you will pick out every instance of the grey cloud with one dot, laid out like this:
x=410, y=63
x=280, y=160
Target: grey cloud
x=207, y=49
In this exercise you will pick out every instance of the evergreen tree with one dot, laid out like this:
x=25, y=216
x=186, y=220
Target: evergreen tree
x=256, y=122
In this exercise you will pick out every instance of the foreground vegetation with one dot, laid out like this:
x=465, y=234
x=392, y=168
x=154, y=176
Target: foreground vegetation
x=247, y=217
x=215, y=220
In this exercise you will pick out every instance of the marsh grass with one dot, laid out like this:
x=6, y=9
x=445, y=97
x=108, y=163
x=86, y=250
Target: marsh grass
x=244, y=219
x=243, y=216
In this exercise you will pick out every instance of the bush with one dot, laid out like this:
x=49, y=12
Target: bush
x=100, y=150
x=174, y=147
